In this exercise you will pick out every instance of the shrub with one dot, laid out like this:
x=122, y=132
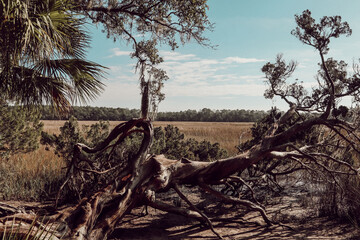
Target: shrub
x=172, y=143
x=168, y=141
x=20, y=130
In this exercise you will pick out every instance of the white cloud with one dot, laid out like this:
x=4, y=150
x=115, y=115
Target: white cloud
x=175, y=56
x=120, y=94
x=310, y=85
x=115, y=69
x=115, y=52
x=189, y=76
x=215, y=90
x=191, y=71
x=197, y=71
x=240, y=60
x=235, y=77
x=121, y=73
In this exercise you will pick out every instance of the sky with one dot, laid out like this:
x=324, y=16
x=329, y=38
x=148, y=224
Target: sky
x=248, y=34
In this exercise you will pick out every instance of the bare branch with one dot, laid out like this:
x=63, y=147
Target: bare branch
x=231, y=199
x=239, y=179
x=176, y=210
x=182, y=196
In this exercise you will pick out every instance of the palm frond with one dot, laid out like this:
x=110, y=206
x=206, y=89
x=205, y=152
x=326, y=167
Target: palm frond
x=83, y=76
x=42, y=52
x=38, y=29
x=55, y=30
x=30, y=87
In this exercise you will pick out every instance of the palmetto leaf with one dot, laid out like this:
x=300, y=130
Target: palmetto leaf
x=30, y=87
x=80, y=75
x=42, y=54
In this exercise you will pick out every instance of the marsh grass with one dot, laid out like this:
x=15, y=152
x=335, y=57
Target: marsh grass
x=35, y=176
x=336, y=196
x=228, y=134
x=31, y=176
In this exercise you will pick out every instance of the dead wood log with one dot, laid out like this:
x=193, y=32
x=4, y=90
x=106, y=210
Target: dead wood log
x=95, y=217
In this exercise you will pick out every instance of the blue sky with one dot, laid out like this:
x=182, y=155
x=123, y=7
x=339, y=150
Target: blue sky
x=248, y=33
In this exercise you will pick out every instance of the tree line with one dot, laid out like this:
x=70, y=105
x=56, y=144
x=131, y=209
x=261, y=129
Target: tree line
x=124, y=114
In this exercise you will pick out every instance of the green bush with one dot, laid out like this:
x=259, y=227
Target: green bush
x=20, y=130
x=168, y=141
x=172, y=143
x=63, y=145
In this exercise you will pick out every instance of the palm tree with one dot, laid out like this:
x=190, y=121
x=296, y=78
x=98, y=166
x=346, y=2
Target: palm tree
x=42, y=54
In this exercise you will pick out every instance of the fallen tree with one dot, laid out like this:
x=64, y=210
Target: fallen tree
x=328, y=129
x=96, y=217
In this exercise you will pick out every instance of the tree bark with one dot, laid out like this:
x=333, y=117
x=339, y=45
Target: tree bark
x=97, y=216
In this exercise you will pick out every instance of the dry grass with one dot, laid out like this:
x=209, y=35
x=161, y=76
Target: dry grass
x=31, y=176
x=228, y=134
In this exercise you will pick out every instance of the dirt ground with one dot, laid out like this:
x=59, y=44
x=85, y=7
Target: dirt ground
x=233, y=222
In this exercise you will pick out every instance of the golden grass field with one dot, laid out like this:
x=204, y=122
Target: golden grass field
x=228, y=134
x=27, y=176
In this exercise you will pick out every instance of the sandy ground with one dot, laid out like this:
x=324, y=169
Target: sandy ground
x=234, y=222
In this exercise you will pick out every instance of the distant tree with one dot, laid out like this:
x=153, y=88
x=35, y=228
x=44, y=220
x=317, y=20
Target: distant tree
x=208, y=115
x=123, y=114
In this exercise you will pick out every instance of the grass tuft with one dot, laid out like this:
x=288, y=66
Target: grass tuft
x=32, y=176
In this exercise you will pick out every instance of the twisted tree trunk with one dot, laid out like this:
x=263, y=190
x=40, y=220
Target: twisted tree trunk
x=97, y=216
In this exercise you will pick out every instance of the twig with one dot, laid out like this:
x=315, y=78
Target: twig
x=238, y=178
x=182, y=196
x=231, y=199
x=176, y=210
